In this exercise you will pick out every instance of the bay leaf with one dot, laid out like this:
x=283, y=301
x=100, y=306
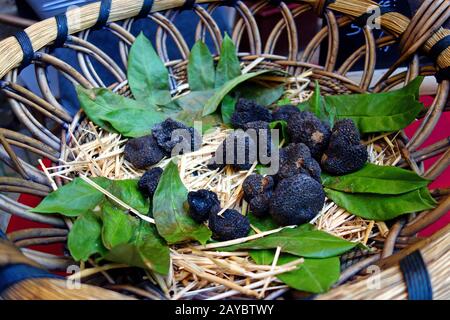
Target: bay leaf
x=261, y=92
x=73, y=199
x=284, y=101
x=146, y=250
x=227, y=108
x=134, y=122
x=262, y=223
x=84, y=238
x=376, y=179
x=282, y=126
x=172, y=220
x=98, y=102
x=117, y=226
x=147, y=75
x=201, y=75
x=313, y=275
x=382, y=207
x=194, y=100
x=213, y=103
x=228, y=66
x=300, y=242
x=379, y=112
x=127, y=190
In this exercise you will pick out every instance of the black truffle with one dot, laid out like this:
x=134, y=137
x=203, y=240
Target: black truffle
x=259, y=205
x=170, y=134
x=306, y=128
x=143, y=152
x=255, y=185
x=296, y=200
x=284, y=112
x=345, y=153
x=230, y=225
x=260, y=132
x=149, y=181
x=201, y=203
x=295, y=159
x=238, y=150
x=249, y=111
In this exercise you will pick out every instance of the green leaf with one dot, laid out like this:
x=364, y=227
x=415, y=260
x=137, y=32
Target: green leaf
x=300, y=242
x=263, y=223
x=313, y=275
x=134, y=122
x=201, y=74
x=127, y=190
x=194, y=100
x=85, y=238
x=189, y=117
x=228, y=66
x=267, y=223
x=379, y=112
x=73, y=199
x=146, y=250
x=376, y=179
x=280, y=125
x=147, y=75
x=381, y=206
x=264, y=256
x=172, y=221
x=318, y=105
x=192, y=105
x=227, y=108
x=117, y=226
x=212, y=104
x=261, y=92
x=284, y=101
x=98, y=102
x=116, y=113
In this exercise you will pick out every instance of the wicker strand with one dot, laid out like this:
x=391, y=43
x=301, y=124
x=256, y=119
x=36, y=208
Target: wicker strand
x=45, y=32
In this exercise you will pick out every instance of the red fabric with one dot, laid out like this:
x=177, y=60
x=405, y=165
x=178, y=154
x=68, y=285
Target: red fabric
x=17, y=223
x=442, y=131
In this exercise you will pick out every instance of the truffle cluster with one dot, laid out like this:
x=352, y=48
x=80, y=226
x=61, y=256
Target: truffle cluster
x=294, y=195
x=168, y=138
x=204, y=205
x=242, y=148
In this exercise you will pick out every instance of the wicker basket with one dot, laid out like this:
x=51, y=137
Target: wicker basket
x=43, y=115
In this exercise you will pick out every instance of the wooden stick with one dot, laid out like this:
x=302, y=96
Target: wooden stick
x=117, y=200
x=274, y=263
x=240, y=240
x=216, y=279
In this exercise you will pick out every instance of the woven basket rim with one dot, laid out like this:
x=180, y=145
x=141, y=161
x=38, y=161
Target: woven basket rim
x=44, y=33
x=81, y=18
